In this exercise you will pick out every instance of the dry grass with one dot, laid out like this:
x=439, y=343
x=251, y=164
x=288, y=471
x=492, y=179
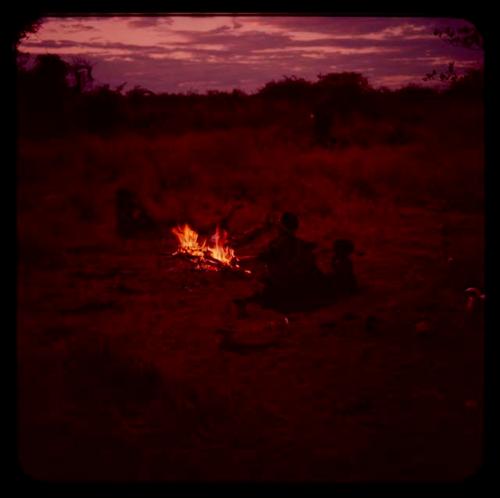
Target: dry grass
x=127, y=345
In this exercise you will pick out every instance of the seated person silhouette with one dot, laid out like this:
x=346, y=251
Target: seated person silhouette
x=292, y=277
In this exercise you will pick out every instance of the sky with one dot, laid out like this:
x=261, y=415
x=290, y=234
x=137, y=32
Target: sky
x=200, y=53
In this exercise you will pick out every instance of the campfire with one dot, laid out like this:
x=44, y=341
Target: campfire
x=213, y=254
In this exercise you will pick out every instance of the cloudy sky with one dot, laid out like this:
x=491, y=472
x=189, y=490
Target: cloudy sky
x=182, y=53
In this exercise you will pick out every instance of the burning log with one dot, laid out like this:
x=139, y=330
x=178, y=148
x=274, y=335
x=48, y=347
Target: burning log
x=212, y=255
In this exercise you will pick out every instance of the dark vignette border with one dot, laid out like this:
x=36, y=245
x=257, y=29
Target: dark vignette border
x=474, y=485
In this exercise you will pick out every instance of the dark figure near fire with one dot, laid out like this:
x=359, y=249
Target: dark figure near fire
x=290, y=261
x=293, y=281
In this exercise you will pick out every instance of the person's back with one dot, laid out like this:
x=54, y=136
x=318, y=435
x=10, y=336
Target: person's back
x=281, y=259
x=290, y=261
x=293, y=280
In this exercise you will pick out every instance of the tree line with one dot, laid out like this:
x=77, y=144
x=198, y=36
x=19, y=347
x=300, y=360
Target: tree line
x=56, y=96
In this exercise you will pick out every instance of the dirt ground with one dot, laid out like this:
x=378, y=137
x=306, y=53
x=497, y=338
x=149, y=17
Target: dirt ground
x=133, y=366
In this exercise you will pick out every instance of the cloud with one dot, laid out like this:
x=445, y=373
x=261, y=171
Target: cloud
x=395, y=80
x=326, y=49
x=149, y=21
x=165, y=53
x=221, y=29
x=77, y=27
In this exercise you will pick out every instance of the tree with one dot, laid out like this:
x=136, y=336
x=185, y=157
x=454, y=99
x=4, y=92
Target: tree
x=465, y=36
x=343, y=81
x=449, y=75
x=138, y=93
x=50, y=73
x=80, y=72
x=287, y=87
x=24, y=23
x=340, y=93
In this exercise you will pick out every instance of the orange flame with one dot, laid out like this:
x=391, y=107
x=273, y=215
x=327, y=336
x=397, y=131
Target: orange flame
x=207, y=254
x=221, y=250
x=188, y=241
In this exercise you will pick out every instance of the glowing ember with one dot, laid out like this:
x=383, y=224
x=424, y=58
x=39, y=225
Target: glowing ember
x=208, y=255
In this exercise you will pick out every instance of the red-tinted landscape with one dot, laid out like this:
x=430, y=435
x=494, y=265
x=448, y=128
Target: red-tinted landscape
x=134, y=364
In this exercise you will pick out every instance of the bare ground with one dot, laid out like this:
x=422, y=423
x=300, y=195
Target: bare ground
x=132, y=366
